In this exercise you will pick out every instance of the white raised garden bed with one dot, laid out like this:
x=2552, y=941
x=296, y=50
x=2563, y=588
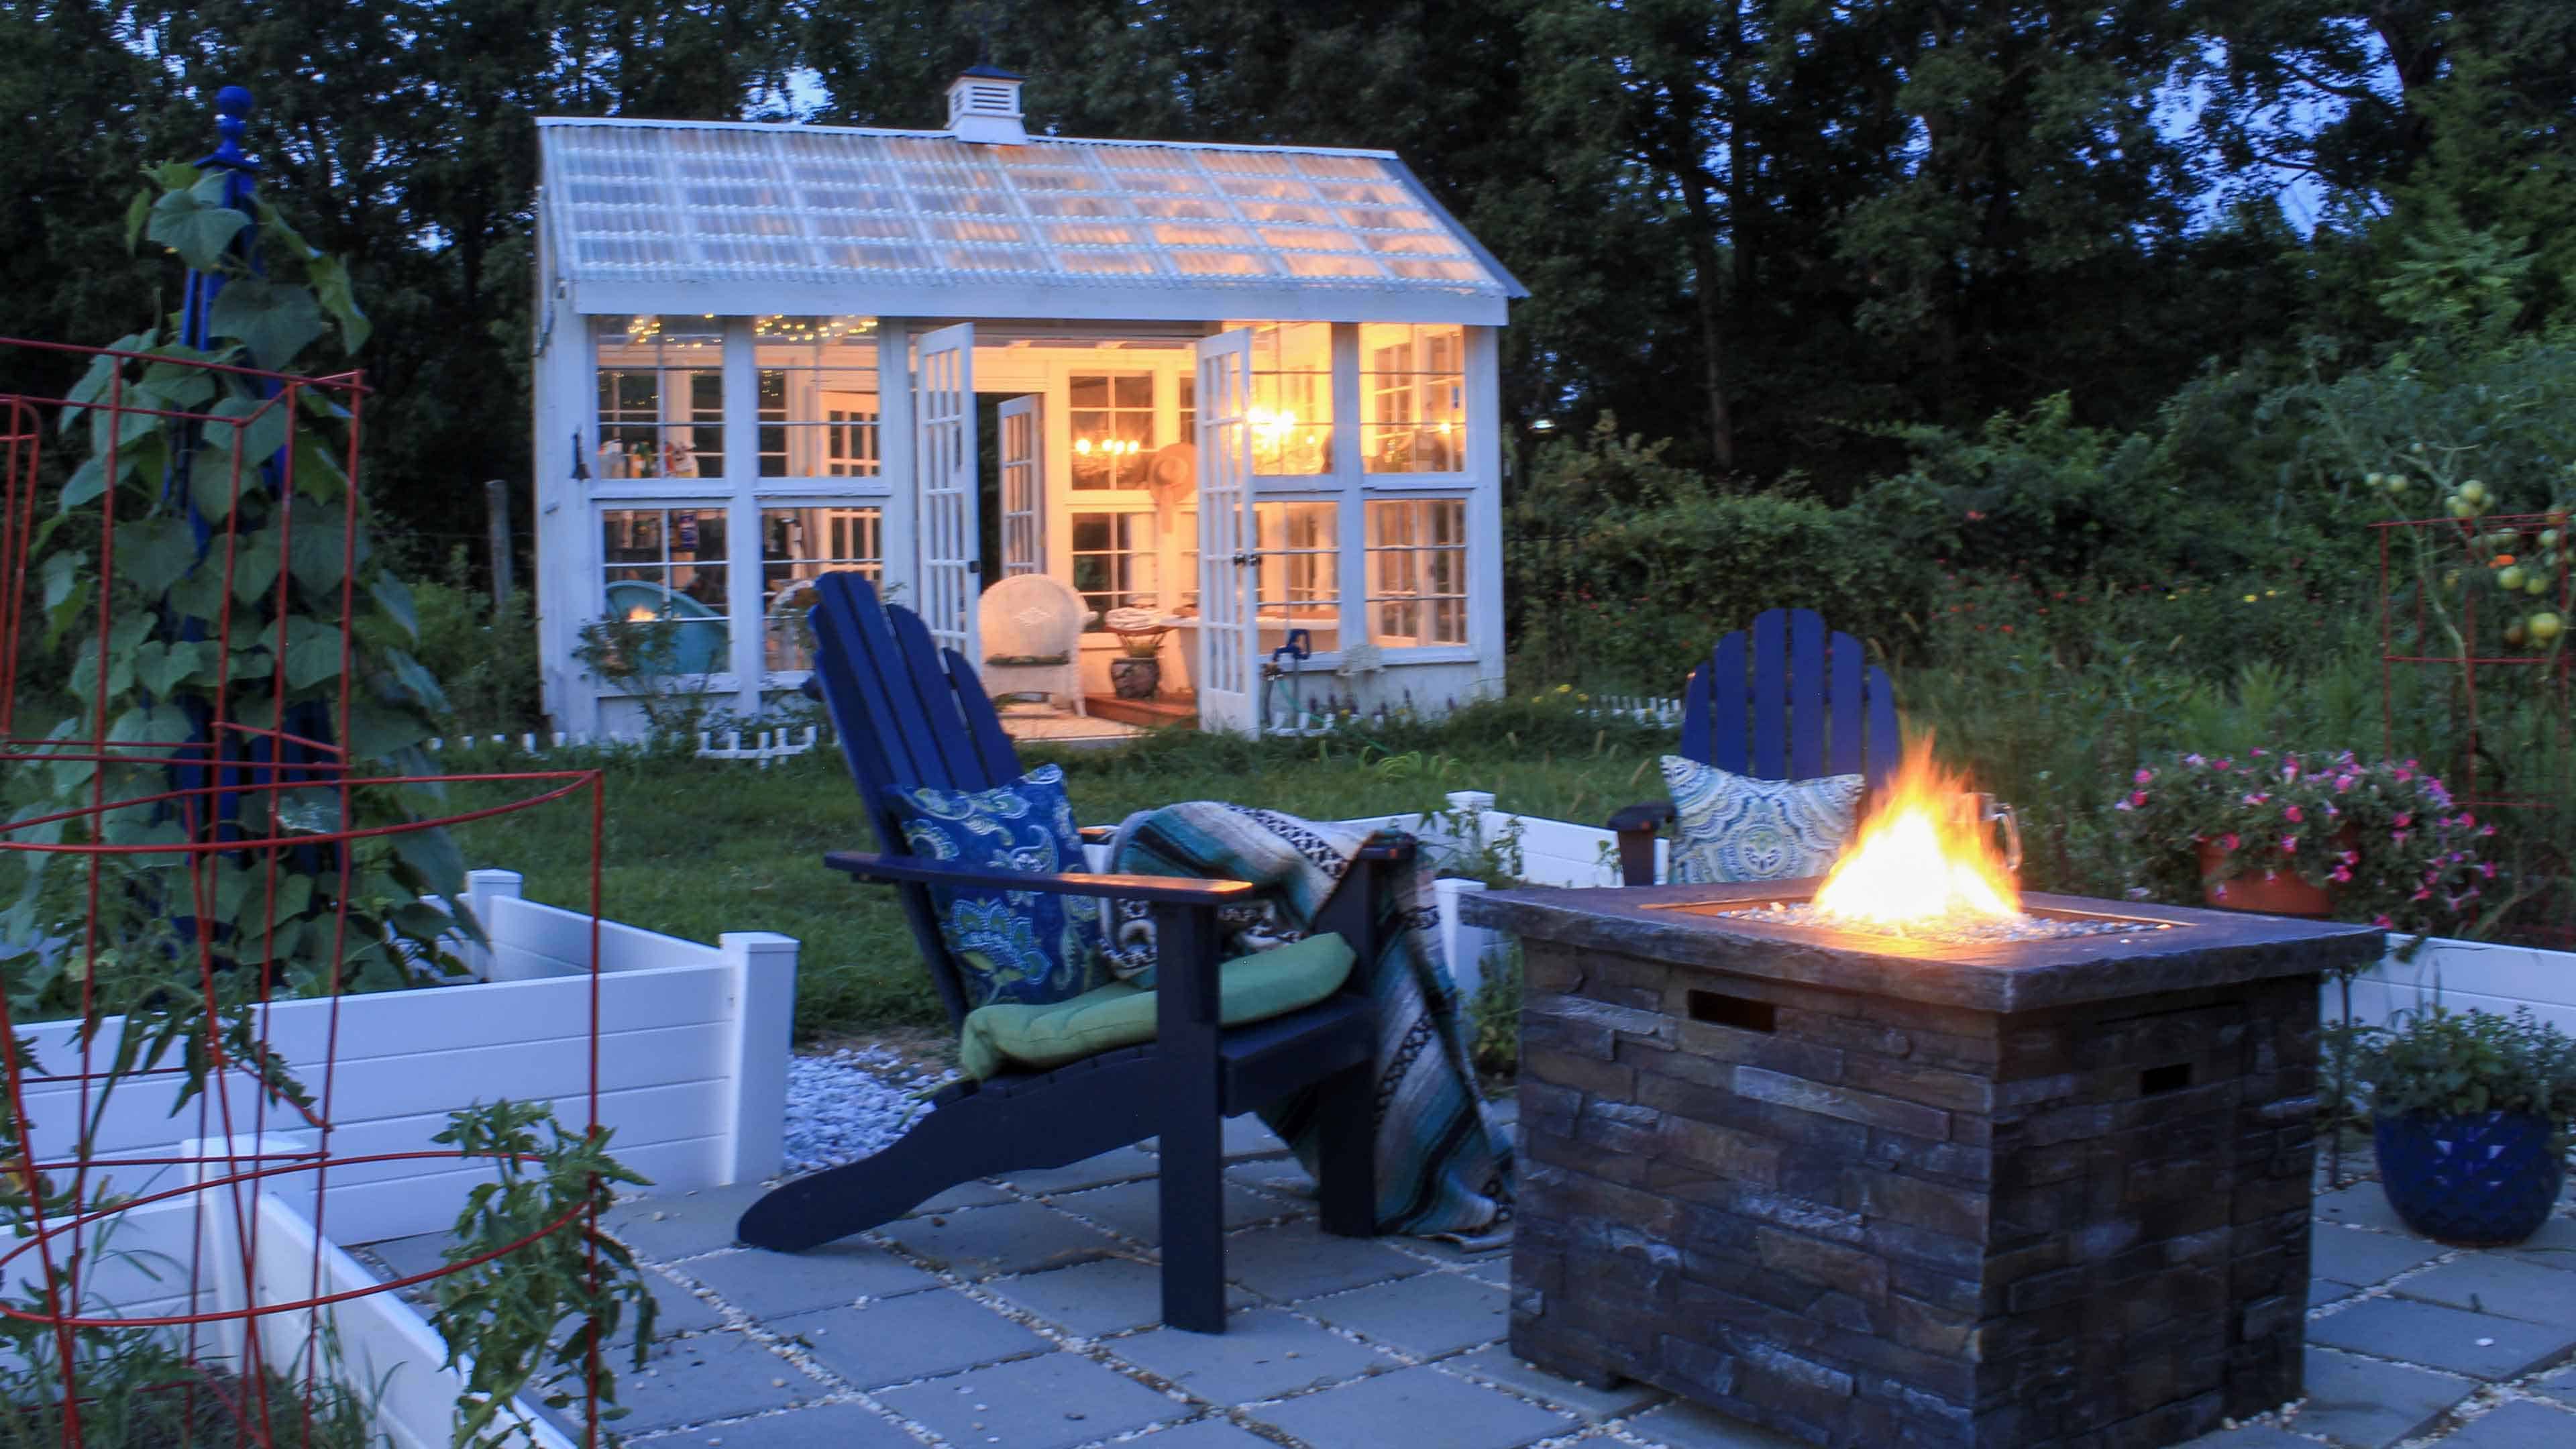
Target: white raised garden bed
x=693, y=1047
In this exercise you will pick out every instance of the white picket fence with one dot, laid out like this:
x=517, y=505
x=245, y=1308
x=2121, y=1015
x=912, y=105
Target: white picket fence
x=766, y=745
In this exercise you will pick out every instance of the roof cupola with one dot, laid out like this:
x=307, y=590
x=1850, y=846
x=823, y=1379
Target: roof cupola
x=984, y=107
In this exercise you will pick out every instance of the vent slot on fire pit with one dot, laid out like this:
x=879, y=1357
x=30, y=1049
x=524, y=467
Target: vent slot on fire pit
x=2155, y=1081
x=1742, y=1012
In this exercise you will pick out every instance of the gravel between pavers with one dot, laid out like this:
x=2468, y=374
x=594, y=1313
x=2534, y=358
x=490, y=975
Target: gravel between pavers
x=844, y=1106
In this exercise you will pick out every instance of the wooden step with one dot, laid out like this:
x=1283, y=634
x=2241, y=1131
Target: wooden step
x=1182, y=710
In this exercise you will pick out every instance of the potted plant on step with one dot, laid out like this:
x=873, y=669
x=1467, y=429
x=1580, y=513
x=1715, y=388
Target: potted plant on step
x=1138, y=671
x=2306, y=834
x=2469, y=1116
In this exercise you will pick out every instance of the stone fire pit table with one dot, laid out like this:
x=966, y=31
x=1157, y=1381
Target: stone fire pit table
x=1868, y=1191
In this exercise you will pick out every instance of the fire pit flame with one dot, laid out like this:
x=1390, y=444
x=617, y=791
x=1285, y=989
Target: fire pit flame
x=1921, y=860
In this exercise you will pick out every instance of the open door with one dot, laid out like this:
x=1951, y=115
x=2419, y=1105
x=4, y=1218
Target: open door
x=1228, y=640
x=1023, y=488
x=943, y=462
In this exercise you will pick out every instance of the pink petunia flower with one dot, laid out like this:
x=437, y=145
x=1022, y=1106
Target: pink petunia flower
x=2382, y=921
x=2289, y=845
x=2341, y=872
x=2137, y=797
x=2142, y=777
x=2256, y=799
x=2227, y=842
x=2194, y=760
x=2291, y=814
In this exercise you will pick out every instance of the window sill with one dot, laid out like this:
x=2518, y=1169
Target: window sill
x=1419, y=482
x=678, y=684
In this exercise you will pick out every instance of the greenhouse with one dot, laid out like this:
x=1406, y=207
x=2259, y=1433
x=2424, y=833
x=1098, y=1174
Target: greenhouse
x=1239, y=401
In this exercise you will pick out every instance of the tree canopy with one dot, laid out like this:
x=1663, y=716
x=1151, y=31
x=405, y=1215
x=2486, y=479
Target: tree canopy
x=1782, y=232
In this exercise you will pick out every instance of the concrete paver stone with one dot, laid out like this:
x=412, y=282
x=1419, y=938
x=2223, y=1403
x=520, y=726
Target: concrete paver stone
x=838, y=1426
x=2480, y=1345
x=1019, y=1237
x=1054, y=1401
x=1093, y=1299
x=766, y=1285
x=2350, y=1255
x=1684, y=1425
x=1264, y=1353
x=906, y=1338
x=711, y=1376
x=1414, y=1407
x=2554, y=1246
x=2364, y=1204
x=963, y=1195
x=2518, y=1425
x=2252, y=1436
x=2367, y=1405
x=1121, y=1164
x=1300, y=1260
x=1136, y=1208
x=1209, y=1433
x=1427, y=1315
x=682, y=1224
x=1499, y=1365
x=2322, y=1291
x=2489, y=1283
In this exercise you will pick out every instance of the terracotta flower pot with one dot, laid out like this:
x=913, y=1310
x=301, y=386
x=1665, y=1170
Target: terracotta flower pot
x=2274, y=893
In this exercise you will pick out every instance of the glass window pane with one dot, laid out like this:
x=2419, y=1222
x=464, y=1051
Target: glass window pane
x=1292, y=398
x=1113, y=437
x=1417, y=571
x=798, y=546
x=1414, y=391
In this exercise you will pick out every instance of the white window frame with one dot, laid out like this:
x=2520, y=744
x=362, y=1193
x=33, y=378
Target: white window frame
x=764, y=504
x=1457, y=479
x=701, y=501
x=802, y=395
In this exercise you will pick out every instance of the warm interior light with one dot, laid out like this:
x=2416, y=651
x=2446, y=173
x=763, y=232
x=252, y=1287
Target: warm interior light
x=640, y=615
x=1925, y=856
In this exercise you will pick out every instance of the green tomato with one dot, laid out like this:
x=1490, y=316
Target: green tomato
x=2536, y=585
x=2549, y=538
x=2474, y=491
x=2511, y=578
x=2396, y=484
x=2544, y=627
x=2463, y=508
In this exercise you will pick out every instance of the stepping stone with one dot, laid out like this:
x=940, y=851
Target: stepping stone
x=1205, y=1434
x=2363, y=1204
x=2518, y=1425
x=2370, y=1405
x=2485, y=1283
x=2349, y=1255
x=1093, y=1300
x=1499, y=1365
x=766, y=1285
x=1136, y=1208
x=964, y=1195
x=1245, y=1136
x=2562, y=1388
x=1019, y=1237
x=901, y=1339
x=2322, y=1291
x=711, y=1376
x=1283, y=1175
x=1427, y=1315
x=2479, y=1345
x=1497, y=1271
x=1054, y=1401
x=1264, y=1353
x=842, y=1426
x=1684, y=1425
x=2253, y=1436
x=2554, y=1246
x=1300, y=1260
x=1124, y=1164
x=683, y=1224
x=1415, y=1406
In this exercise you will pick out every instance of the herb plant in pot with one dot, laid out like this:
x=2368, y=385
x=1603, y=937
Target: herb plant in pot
x=2469, y=1116
x=2312, y=833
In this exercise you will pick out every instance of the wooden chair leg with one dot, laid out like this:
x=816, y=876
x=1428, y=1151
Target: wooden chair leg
x=1346, y=1152
x=1193, y=1207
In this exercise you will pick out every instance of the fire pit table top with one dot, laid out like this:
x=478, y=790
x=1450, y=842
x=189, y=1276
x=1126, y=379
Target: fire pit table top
x=2170, y=948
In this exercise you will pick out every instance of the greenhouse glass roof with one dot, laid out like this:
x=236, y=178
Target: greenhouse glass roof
x=755, y=217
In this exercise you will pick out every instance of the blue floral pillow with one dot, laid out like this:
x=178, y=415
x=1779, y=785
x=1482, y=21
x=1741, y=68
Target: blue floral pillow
x=1730, y=828
x=1029, y=947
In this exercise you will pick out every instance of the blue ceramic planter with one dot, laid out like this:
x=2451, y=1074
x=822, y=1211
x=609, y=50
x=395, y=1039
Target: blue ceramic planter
x=2484, y=1181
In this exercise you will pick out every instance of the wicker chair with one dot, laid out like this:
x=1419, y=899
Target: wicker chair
x=1032, y=631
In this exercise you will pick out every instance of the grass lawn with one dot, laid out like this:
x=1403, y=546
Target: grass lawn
x=694, y=848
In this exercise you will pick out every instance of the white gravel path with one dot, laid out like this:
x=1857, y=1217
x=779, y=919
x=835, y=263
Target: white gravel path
x=850, y=1104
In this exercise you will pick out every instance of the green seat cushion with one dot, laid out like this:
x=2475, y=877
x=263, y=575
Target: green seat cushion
x=1005, y=1036
x=1027, y=661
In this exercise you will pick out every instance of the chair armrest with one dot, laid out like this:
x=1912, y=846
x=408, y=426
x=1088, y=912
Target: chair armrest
x=1096, y=834
x=1162, y=889
x=1636, y=826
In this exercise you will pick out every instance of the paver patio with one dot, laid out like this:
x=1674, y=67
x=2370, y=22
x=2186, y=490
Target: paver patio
x=1022, y=1313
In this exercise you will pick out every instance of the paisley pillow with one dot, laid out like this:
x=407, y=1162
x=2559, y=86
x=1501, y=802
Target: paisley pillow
x=1729, y=828
x=1029, y=947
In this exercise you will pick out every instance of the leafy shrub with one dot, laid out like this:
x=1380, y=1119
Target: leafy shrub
x=485, y=658
x=2460, y=1064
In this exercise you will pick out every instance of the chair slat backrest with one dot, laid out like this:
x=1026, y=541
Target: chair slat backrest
x=907, y=713
x=1789, y=700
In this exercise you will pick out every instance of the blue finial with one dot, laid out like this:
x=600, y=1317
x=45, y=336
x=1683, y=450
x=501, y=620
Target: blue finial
x=233, y=106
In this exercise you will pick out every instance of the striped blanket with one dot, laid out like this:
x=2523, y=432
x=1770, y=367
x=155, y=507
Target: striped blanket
x=1442, y=1168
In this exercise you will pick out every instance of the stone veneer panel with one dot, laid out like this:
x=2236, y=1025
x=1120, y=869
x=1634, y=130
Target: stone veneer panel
x=1865, y=1220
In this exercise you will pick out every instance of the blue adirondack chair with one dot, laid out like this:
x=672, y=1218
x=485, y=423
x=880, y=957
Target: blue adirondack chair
x=1783, y=700
x=910, y=713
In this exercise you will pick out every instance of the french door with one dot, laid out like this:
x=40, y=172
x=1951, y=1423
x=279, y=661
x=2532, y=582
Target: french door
x=1023, y=487
x=943, y=464
x=1228, y=638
